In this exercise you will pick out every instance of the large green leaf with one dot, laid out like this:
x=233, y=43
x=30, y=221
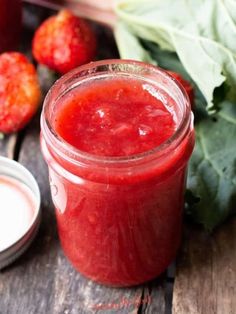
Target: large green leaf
x=134, y=50
x=201, y=32
x=211, y=196
x=212, y=170
x=211, y=183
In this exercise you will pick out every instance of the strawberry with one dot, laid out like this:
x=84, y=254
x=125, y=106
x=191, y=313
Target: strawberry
x=19, y=91
x=186, y=85
x=63, y=42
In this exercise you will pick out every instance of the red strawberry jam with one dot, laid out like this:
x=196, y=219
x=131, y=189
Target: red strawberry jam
x=117, y=170
x=127, y=119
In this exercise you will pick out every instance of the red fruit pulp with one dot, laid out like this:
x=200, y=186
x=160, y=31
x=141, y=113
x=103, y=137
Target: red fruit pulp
x=125, y=120
x=10, y=24
x=121, y=229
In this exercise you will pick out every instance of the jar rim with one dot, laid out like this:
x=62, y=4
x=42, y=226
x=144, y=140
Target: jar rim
x=73, y=154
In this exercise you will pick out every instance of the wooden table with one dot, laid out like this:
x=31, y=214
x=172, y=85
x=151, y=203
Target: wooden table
x=42, y=281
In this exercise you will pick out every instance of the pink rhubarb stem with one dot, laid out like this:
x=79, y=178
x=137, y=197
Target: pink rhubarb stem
x=95, y=13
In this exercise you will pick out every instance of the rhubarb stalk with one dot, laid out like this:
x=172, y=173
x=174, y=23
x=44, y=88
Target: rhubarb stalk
x=98, y=11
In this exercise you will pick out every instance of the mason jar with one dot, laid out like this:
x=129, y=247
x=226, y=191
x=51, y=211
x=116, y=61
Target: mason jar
x=119, y=218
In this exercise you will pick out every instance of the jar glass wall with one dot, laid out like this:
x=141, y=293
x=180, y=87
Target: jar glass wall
x=119, y=218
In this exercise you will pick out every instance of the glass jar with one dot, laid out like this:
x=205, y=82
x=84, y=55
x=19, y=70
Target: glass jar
x=119, y=218
x=10, y=24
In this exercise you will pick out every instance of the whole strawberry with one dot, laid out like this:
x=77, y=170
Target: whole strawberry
x=186, y=84
x=63, y=42
x=19, y=91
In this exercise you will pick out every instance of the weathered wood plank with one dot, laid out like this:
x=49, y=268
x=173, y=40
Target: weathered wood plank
x=154, y=297
x=206, y=272
x=17, y=282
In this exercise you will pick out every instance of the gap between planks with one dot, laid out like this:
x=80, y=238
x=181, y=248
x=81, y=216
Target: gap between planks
x=7, y=145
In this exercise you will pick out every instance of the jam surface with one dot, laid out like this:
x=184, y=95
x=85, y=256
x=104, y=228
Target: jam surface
x=116, y=117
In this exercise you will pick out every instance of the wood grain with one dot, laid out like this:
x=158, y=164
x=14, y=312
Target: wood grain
x=206, y=272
